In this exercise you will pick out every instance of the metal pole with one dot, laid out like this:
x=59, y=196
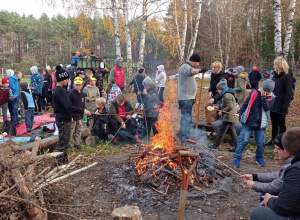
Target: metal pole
x=199, y=105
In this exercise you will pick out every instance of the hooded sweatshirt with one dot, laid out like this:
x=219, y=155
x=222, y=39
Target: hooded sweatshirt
x=241, y=87
x=89, y=92
x=36, y=80
x=13, y=82
x=161, y=77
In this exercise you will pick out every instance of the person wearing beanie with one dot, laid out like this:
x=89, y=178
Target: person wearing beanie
x=36, y=85
x=230, y=79
x=241, y=84
x=215, y=77
x=254, y=77
x=14, y=99
x=118, y=72
x=137, y=82
x=254, y=116
x=228, y=111
x=63, y=110
x=186, y=93
x=29, y=106
x=5, y=96
x=270, y=182
x=160, y=79
x=285, y=206
x=152, y=103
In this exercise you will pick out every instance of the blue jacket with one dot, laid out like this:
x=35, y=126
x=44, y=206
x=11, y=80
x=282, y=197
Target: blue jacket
x=36, y=81
x=75, y=60
x=255, y=112
x=13, y=83
x=254, y=78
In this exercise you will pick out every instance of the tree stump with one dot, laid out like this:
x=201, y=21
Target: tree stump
x=89, y=140
x=127, y=213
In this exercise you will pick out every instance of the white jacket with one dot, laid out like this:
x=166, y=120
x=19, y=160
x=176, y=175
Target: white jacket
x=161, y=77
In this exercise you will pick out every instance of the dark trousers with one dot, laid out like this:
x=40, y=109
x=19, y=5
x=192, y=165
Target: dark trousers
x=151, y=125
x=114, y=126
x=278, y=124
x=49, y=97
x=225, y=126
x=29, y=117
x=186, y=107
x=13, y=110
x=64, y=136
x=161, y=95
x=37, y=102
x=44, y=104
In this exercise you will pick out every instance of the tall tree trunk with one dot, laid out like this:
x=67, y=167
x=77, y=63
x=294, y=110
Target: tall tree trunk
x=229, y=36
x=143, y=34
x=195, y=34
x=289, y=29
x=127, y=29
x=182, y=45
x=277, y=20
x=116, y=26
x=177, y=30
x=219, y=33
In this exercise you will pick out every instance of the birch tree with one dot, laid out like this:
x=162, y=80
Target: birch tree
x=289, y=29
x=219, y=33
x=229, y=35
x=277, y=32
x=127, y=29
x=116, y=27
x=143, y=34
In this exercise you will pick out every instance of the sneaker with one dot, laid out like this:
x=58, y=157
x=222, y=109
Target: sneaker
x=237, y=163
x=62, y=159
x=138, y=140
x=78, y=147
x=260, y=162
x=213, y=147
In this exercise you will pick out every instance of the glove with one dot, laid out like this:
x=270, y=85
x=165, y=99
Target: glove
x=203, y=70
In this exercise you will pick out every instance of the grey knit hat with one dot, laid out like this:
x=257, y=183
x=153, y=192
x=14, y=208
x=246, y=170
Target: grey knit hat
x=222, y=84
x=24, y=85
x=269, y=85
x=147, y=81
x=239, y=69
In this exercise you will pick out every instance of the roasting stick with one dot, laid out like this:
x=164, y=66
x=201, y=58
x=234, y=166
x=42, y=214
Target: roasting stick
x=211, y=108
x=194, y=142
x=199, y=105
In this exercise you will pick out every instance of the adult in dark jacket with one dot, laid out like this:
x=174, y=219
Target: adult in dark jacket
x=283, y=92
x=137, y=82
x=46, y=89
x=285, y=206
x=254, y=77
x=215, y=77
x=230, y=79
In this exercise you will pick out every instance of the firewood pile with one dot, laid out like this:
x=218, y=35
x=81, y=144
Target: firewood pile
x=22, y=181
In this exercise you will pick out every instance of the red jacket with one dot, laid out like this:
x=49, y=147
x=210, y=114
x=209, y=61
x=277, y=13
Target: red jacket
x=119, y=75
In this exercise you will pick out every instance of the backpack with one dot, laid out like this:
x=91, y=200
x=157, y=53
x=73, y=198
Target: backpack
x=9, y=128
x=3, y=96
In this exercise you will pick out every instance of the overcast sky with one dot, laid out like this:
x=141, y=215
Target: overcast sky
x=29, y=7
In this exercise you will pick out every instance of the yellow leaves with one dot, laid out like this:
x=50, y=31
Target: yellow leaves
x=108, y=25
x=84, y=26
x=122, y=29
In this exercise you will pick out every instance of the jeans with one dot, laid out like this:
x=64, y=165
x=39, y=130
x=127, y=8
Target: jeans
x=278, y=124
x=186, y=107
x=13, y=110
x=244, y=138
x=265, y=213
x=29, y=116
x=161, y=95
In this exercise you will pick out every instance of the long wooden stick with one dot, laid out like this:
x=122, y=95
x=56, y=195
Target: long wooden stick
x=199, y=105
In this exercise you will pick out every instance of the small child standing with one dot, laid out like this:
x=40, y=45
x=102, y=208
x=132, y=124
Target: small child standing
x=100, y=120
x=29, y=106
x=77, y=100
x=228, y=111
x=5, y=96
x=151, y=102
x=241, y=84
x=254, y=116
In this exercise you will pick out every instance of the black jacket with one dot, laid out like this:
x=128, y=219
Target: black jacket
x=101, y=117
x=137, y=81
x=78, y=100
x=283, y=92
x=151, y=101
x=62, y=105
x=254, y=78
x=230, y=81
x=214, y=80
x=288, y=201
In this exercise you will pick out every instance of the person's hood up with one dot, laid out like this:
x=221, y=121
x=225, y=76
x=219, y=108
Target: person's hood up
x=243, y=75
x=10, y=73
x=161, y=68
x=34, y=70
x=117, y=61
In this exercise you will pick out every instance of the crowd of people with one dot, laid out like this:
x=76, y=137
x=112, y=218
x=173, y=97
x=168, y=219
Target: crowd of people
x=240, y=117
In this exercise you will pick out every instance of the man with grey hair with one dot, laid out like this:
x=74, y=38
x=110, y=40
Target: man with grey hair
x=186, y=93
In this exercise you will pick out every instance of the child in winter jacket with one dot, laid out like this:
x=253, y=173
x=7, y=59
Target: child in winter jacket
x=241, y=84
x=5, y=96
x=228, y=111
x=254, y=77
x=28, y=102
x=91, y=93
x=270, y=182
x=151, y=102
x=111, y=92
x=100, y=120
x=36, y=85
x=161, y=79
x=254, y=116
x=14, y=101
x=77, y=99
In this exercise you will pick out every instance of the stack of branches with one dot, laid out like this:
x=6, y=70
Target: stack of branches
x=21, y=185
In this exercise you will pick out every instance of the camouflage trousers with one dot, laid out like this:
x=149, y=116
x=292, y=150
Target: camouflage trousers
x=64, y=136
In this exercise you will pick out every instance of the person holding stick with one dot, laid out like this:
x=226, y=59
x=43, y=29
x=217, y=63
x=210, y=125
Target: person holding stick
x=186, y=93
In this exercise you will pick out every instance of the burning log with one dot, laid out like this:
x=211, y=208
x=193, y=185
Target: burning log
x=127, y=213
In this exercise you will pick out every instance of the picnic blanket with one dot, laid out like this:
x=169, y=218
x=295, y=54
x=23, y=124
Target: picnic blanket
x=16, y=139
x=22, y=129
x=43, y=118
